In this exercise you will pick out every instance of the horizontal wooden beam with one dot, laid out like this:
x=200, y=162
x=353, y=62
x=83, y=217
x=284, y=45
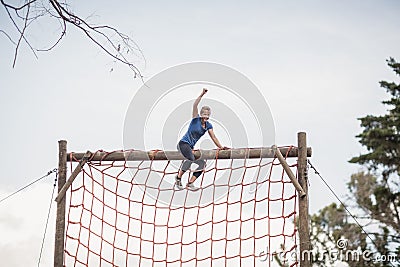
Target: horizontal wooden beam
x=234, y=153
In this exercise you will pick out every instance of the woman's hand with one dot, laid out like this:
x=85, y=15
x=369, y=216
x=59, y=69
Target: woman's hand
x=195, y=111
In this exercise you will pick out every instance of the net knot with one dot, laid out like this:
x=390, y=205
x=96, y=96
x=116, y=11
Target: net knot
x=152, y=153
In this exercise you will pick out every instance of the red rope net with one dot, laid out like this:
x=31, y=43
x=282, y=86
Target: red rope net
x=128, y=213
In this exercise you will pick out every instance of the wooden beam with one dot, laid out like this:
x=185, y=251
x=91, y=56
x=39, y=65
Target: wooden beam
x=71, y=179
x=60, y=219
x=289, y=171
x=235, y=153
x=304, y=227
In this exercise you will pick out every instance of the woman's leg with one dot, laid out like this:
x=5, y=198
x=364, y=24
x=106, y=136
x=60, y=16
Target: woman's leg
x=186, y=151
x=199, y=170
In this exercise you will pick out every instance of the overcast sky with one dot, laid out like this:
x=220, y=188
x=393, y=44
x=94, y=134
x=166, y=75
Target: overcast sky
x=317, y=64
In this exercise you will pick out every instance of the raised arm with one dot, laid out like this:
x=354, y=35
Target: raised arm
x=195, y=111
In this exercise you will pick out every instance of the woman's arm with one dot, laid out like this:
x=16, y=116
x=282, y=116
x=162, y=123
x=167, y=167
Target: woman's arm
x=195, y=111
x=215, y=139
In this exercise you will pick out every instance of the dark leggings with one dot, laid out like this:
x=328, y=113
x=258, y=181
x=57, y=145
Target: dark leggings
x=186, y=151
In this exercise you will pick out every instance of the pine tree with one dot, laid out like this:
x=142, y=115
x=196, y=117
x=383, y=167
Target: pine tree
x=375, y=192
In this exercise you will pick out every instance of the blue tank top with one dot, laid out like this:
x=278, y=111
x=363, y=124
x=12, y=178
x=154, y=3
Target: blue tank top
x=195, y=131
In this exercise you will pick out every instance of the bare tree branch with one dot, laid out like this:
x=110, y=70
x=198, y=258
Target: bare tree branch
x=8, y=36
x=15, y=7
x=22, y=34
x=16, y=26
x=110, y=40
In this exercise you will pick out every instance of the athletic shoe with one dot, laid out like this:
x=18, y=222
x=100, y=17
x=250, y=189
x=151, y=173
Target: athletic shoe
x=178, y=183
x=191, y=187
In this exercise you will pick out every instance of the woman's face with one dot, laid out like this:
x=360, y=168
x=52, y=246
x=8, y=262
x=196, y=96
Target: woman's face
x=205, y=114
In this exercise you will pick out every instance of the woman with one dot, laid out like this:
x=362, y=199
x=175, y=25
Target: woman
x=197, y=128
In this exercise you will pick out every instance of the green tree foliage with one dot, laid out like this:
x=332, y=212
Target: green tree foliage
x=329, y=228
x=381, y=134
x=374, y=194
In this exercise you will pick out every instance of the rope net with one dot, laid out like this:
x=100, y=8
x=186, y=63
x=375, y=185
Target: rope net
x=127, y=213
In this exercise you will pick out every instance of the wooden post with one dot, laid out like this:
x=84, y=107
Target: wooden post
x=60, y=220
x=304, y=228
